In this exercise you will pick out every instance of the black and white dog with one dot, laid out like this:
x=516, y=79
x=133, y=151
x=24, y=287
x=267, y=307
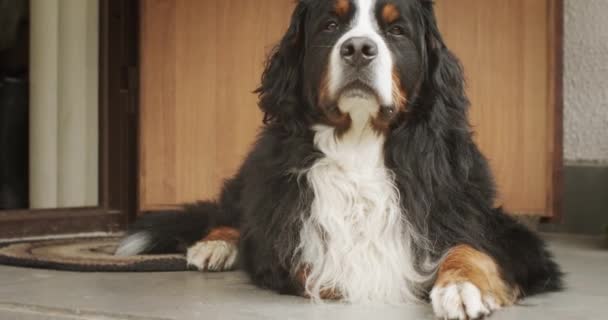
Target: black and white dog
x=365, y=184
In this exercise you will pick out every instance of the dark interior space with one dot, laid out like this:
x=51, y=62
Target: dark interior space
x=14, y=54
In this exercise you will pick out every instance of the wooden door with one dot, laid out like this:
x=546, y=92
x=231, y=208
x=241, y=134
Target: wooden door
x=508, y=51
x=202, y=59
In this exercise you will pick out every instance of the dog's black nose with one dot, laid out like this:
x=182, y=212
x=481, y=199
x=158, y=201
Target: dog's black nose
x=359, y=51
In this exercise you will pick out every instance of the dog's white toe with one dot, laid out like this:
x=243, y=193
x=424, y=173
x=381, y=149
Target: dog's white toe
x=462, y=301
x=213, y=255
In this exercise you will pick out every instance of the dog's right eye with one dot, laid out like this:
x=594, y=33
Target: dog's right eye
x=396, y=31
x=331, y=26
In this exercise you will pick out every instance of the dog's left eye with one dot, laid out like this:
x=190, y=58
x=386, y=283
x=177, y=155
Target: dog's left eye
x=331, y=26
x=396, y=31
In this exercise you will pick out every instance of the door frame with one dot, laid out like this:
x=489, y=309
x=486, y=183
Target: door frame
x=556, y=198
x=118, y=129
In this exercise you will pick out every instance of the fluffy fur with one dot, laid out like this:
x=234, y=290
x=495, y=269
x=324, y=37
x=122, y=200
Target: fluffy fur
x=363, y=176
x=355, y=223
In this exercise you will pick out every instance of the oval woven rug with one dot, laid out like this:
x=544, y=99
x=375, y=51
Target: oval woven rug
x=86, y=255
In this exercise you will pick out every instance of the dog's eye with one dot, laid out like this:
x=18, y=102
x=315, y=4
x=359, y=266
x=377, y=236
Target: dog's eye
x=331, y=26
x=396, y=31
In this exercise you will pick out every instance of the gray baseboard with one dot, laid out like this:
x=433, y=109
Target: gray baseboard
x=585, y=203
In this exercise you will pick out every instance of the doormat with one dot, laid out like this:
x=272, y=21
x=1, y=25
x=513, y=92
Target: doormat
x=85, y=255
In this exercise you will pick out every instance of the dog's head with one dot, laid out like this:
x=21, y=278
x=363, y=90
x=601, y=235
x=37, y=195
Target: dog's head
x=367, y=57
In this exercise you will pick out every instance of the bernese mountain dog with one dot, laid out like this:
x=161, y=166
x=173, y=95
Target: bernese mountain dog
x=365, y=184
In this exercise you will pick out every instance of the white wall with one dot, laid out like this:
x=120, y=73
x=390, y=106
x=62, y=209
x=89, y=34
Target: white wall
x=586, y=81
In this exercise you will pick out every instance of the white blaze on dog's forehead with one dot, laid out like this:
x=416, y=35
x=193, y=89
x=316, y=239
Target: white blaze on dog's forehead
x=365, y=24
x=365, y=16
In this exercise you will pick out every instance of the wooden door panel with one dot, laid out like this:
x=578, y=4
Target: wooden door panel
x=506, y=50
x=202, y=59
x=157, y=103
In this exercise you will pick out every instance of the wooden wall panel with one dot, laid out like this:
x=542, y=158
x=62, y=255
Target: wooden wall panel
x=157, y=103
x=505, y=47
x=202, y=59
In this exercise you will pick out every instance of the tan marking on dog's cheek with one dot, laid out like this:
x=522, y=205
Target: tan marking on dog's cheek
x=381, y=123
x=390, y=13
x=465, y=264
x=342, y=7
x=399, y=93
x=227, y=234
x=332, y=116
x=323, y=96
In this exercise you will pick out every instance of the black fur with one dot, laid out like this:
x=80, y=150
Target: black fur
x=447, y=191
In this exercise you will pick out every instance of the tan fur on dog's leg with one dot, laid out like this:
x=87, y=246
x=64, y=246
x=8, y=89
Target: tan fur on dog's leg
x=469, y=286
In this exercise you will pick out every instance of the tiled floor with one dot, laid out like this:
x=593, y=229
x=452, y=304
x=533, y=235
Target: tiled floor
x=39, y=294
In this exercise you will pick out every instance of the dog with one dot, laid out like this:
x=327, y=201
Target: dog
x=365, y=184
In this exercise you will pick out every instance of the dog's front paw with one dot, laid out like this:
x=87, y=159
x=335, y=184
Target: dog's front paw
x=462, y=301
x=213, y=255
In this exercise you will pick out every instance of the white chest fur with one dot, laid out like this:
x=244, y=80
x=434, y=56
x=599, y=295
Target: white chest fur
x=355, y=239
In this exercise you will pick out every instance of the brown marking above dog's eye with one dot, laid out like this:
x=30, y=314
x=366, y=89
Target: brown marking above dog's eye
x=342, y=7
x=390, y=13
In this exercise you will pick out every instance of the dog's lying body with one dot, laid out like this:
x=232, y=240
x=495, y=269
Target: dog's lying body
x=365, y=184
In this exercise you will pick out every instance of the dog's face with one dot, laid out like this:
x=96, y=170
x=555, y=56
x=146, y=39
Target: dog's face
x=339, y=53
x=361, y=49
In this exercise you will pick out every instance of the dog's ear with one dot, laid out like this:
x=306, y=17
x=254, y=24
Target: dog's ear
x=444, y=80
x=427, y=3
x=281, y=81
